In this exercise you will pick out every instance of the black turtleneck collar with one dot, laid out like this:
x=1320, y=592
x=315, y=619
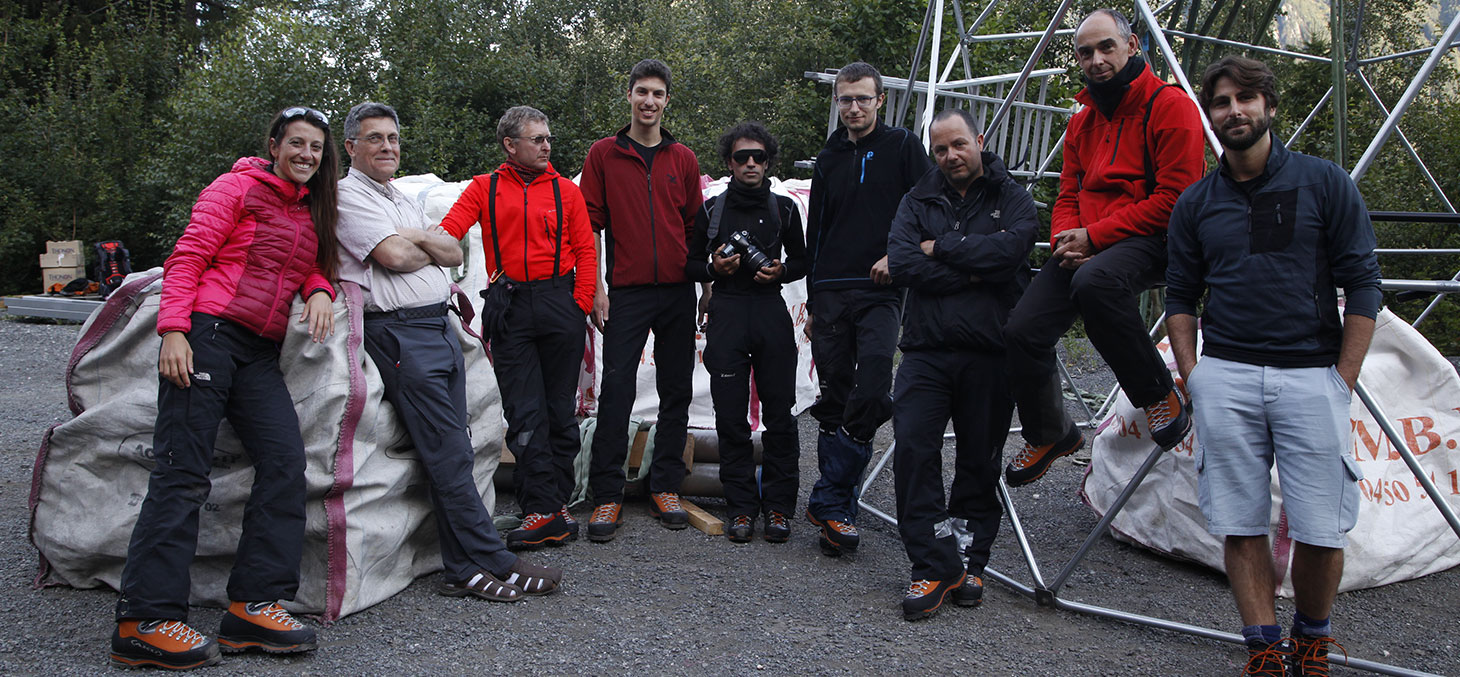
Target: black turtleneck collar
x=741, y=196
x=1107, y=95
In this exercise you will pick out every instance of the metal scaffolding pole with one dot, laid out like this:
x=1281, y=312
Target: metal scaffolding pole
x=1034, y=58
x=1441, y=46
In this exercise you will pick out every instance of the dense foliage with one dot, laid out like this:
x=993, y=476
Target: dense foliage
x=116, y=113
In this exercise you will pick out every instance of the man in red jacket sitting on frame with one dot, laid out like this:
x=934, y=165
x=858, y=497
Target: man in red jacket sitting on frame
x=1128, y=155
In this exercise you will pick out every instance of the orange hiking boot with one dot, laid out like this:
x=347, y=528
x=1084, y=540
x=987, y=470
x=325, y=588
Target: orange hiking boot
x=1310, y=656
x=836, y=537
x=265, y=626
x=665, y=506
x=777, y=527
x=924, y=598
x=1268, y=660
x=161, y=643
x=1169, y=419
x=1034, y=461
x=604, y=524
x=970, y=593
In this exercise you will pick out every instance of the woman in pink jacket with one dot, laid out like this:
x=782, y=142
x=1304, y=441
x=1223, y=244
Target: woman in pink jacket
x=259, y=234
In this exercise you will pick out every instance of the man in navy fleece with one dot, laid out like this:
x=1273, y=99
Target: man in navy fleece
x=1267, y=237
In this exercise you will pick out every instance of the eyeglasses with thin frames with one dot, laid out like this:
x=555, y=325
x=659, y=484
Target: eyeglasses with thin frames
x=377, y=138
x=539, y=139
x=860, y=101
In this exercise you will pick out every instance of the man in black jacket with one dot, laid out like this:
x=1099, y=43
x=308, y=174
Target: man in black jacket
x=860, y=175
x=749, y=330
x=960, y=243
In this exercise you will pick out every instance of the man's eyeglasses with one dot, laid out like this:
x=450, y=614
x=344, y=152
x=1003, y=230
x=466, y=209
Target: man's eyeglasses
x=377, y=139
x=743, y=156
x=302, y=112
x=861, y=101
x=539, y=139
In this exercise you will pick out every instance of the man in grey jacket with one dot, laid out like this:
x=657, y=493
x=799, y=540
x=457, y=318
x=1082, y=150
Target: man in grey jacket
x=1267, y=237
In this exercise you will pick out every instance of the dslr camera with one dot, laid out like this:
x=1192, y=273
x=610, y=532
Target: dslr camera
x=751, y=255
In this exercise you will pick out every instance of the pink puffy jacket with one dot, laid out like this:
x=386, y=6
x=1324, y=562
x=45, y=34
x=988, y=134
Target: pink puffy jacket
x=249, y=246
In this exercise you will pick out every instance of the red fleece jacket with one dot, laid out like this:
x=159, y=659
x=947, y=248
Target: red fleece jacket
x=1103, y=181
x=527, y=229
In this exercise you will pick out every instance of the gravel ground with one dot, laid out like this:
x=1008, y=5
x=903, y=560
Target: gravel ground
x=655, y=601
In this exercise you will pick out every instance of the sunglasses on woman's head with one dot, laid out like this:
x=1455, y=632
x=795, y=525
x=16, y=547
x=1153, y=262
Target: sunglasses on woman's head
x=302, y=112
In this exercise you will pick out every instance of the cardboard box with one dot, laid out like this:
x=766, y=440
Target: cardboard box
x=62, y=276
x=63, y=254
x=62, y=260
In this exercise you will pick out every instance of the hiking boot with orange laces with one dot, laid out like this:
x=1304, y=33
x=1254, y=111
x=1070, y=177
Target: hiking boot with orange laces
x=925, y=597
x=1034, y=460
x=1268, y=660
x=665, y=506
x=740, y=530
x=777, y=527
x=1169, y=419
x=1310, y=656
x=970, y=593
x=603, y=526
x=837, y=537
x=571, y=522
x=265, y=626
x=538, y=529
x=161, y=644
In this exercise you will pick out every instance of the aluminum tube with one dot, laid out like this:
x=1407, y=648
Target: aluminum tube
x=932, y=74
x=1065, y=374
x=1414, y=154
x=878, y=513
x=1436, y=286
x=1034, y=57
x=1434, y=303
x=1165, y=48
x=1185, y=628
x=1441, y=47
x=1245, y=45
x=1401, y=55
x=1150, y=621
x=1000, y=37
x=1312, y=114
x=1019, y=535
x=1099, y=530
x=1441, y=503
x=1018, y=587
x=877, y=470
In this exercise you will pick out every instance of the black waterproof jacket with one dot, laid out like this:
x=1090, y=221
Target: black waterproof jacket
x=854, y=193
x=959, y=298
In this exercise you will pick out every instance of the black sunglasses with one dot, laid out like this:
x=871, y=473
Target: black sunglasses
x=742, y=156
x=302, y=112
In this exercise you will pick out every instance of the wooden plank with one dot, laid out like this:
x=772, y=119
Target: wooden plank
x=702, y=520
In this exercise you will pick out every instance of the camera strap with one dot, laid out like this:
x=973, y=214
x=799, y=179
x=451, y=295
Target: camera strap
x=773, y=206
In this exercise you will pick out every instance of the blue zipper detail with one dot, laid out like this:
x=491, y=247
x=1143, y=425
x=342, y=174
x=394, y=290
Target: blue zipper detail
x=863, y=177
